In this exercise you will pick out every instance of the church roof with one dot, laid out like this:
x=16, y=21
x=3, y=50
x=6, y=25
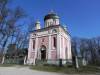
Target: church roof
x=51, y=15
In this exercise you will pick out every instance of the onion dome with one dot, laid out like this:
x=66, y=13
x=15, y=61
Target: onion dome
x=37, y=22
x=51, y=15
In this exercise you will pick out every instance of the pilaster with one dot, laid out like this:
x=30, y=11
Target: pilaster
x=49, y=49
x=58, y=46
x=36, y=47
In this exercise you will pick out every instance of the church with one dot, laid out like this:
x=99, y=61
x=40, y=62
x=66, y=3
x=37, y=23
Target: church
x=49, y=43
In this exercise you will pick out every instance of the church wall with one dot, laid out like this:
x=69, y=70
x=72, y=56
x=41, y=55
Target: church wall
x=53, y=49
x=69, y=49
x=66, y=48
x=62, y=47
x=43, y=41
x=31, y=52
x=52, y=53
x=67, y=43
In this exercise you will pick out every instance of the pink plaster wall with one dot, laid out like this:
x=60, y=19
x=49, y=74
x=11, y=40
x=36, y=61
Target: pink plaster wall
x=52, y=45
x=45, y=42
x=61, y=46
x=53, y=49
x=32, y=54
x=54, y=54
x=65, y=46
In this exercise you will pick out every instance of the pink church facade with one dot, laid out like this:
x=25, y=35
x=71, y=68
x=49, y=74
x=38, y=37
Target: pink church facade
x=50, y=43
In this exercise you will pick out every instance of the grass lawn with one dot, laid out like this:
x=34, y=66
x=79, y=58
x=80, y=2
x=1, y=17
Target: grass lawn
x=66, y=69
x=6, y=65
x=10, y=65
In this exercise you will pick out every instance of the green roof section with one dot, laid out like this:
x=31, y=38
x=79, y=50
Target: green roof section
x=51, y=16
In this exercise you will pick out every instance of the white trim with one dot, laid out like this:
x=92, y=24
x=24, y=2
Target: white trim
x=36, y=48
x=63, y=48
x=43, y=35
x=58, y=47
x=49, y=48
x=59, y=33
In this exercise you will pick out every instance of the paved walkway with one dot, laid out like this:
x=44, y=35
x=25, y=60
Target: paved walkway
x=17, y=70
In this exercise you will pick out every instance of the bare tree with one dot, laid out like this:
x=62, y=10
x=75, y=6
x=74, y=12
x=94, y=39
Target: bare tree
x=8, y=23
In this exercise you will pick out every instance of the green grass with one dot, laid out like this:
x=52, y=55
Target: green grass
x=6, y=65
x=66, y=69
x=10, y=65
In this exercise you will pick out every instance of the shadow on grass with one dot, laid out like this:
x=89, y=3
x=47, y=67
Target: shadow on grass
x=67, y=69
x=13, y=65
x=6, y=65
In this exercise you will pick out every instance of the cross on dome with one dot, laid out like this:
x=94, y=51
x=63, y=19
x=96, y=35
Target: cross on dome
x=51, y=12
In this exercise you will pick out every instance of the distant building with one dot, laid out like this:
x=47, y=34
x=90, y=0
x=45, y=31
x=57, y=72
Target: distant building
x=50, y=43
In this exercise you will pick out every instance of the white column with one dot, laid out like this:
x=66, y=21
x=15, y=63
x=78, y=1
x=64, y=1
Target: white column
x=36, y=49
x=69, y=49
x=63, y=51
x=63, y=48
x=29, y=50
x=49, y=50
x=58, y=47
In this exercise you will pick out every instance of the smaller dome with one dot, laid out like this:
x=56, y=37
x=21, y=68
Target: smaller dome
x=65, y=27
x=37, y=22
x=51, y=15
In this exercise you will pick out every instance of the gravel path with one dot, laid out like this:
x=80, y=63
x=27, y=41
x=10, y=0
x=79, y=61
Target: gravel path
x=23, y=71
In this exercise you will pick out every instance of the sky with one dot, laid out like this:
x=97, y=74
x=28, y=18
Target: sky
x=82, y=17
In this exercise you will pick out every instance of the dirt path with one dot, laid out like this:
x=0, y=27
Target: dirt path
x=18, y=70
x=23, y=71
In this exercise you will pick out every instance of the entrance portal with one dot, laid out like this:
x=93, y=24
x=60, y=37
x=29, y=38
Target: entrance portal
x=43, y=55
x=43, y=52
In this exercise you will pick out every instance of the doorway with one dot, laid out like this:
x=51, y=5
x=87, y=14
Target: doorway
x=43, y=52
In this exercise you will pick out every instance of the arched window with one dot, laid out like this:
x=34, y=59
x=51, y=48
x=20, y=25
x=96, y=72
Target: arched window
x=42, y=39
x=33, y=44
x=66, y=51
x=55, y=22
x=54, y=42
x=50, y=23
x=54, y=31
